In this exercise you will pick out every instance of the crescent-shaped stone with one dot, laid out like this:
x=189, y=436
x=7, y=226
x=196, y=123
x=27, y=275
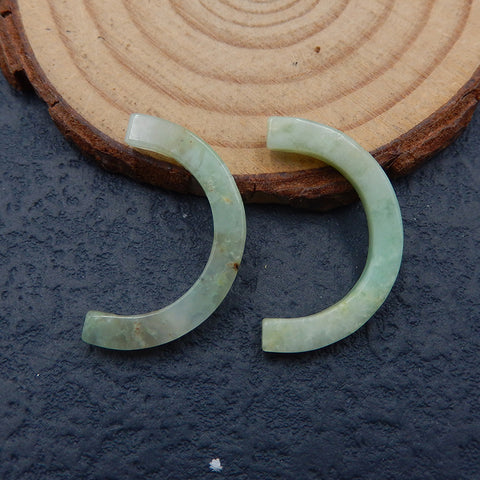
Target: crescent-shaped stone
x=289, y=335
x=134, y=332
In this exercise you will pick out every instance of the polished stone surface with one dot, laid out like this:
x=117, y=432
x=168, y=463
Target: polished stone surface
x=293, y=335
x=133, y=332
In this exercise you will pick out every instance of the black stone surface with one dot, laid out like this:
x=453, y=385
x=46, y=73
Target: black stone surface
x=396, y=400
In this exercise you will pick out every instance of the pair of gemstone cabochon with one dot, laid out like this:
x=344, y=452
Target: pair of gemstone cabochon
x=281, y=335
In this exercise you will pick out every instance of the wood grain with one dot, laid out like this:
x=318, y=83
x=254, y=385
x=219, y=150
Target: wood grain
x=401, y=78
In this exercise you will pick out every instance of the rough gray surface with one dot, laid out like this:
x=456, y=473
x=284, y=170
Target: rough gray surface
x=396, y=400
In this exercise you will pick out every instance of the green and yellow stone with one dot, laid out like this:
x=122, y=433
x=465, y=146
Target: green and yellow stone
x=133, y=332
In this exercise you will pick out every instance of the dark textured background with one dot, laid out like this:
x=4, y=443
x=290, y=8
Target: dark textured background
x=396, y=400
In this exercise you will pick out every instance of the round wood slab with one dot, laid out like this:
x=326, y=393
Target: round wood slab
x=402, y=78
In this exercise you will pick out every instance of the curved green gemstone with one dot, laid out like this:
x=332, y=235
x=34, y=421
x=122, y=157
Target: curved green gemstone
x=289, y=335
x=133, y=332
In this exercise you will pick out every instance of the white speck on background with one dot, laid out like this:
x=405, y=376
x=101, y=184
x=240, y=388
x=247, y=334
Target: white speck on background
x=215, y=465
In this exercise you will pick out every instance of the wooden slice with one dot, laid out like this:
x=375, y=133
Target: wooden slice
x=402, y=78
